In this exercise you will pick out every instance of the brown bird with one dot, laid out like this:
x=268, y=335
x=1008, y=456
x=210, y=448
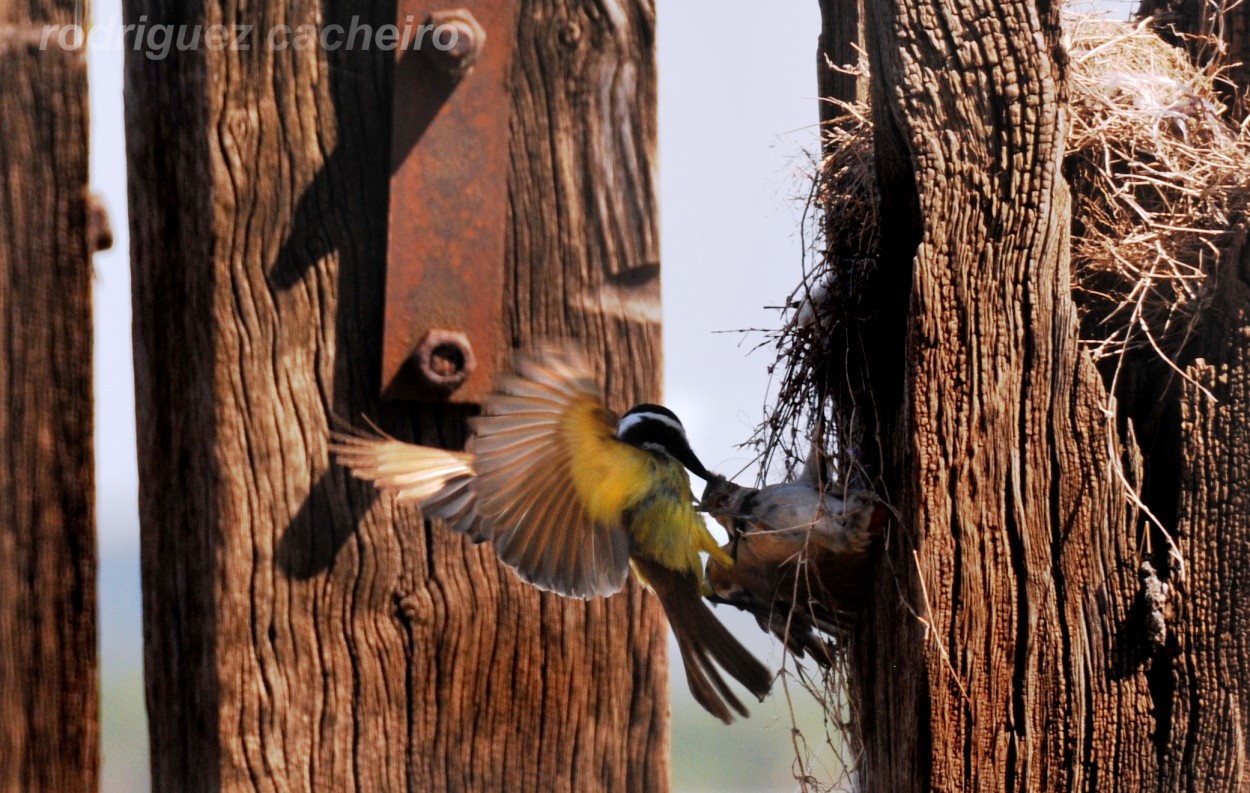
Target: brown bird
x=573, y=499
x=801, y=553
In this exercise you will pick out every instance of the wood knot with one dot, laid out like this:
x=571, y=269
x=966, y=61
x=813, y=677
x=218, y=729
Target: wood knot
x=1153, y=606
x=570, y=34
x=413, y=608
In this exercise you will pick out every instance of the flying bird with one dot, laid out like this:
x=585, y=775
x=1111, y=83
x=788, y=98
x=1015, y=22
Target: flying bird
x=574, y=499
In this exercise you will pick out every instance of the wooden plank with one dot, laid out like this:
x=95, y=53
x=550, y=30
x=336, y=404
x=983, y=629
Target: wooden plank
x=840, y=45
x=48, y=671
x=1203, y=669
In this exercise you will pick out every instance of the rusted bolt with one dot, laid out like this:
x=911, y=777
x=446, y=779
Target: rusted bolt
x=454, y=41
x=444, y=359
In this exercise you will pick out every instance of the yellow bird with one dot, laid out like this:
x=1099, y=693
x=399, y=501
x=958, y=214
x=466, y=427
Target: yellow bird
x=573, y=499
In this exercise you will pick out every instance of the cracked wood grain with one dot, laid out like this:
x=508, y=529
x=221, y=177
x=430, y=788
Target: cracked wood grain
x=301, y=633
x=1201, y=672
x=1207, y=682
x=1000, y=597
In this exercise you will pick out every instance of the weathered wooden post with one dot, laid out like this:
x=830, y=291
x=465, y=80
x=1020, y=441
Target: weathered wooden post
x=48, y=672
x=302, y=635
x=1062, y=602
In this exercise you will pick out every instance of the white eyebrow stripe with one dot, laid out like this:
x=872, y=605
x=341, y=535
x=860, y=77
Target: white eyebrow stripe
x=637, y=418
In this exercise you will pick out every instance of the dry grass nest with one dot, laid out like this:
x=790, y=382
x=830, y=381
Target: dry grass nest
x=1159, y=177
x=842, y=206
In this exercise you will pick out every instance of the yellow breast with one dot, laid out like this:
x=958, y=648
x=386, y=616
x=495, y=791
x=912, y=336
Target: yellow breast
x=648, y=493
x=609, y=476
x=663, y=523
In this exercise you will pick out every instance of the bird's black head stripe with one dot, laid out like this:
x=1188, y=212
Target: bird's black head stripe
x=658, y=427
x=647, y=407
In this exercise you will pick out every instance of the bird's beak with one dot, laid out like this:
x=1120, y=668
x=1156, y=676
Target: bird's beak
x=686, y=457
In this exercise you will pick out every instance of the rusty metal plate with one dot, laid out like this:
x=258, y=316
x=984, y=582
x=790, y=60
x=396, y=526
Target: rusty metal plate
x=443, y=336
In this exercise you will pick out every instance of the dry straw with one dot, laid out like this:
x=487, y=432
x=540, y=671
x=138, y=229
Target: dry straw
x=1158, y=177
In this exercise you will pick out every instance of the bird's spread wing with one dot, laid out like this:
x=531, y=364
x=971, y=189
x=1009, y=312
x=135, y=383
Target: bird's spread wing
x=544, y=476
x=552, y=480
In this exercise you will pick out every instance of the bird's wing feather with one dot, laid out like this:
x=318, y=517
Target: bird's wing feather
x=411, y=472
x=552, y=478
x=544, y=476
x=441, y=482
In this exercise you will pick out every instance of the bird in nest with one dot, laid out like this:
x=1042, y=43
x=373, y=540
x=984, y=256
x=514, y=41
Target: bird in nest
x=574, y=499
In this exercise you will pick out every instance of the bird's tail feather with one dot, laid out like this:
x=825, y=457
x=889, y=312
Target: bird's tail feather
x=705, y=643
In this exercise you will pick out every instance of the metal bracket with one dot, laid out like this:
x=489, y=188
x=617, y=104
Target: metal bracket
x=443, y=336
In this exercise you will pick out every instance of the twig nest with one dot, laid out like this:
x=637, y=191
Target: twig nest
x=801, y=556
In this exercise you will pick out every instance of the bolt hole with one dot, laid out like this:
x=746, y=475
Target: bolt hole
x=447, y=359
